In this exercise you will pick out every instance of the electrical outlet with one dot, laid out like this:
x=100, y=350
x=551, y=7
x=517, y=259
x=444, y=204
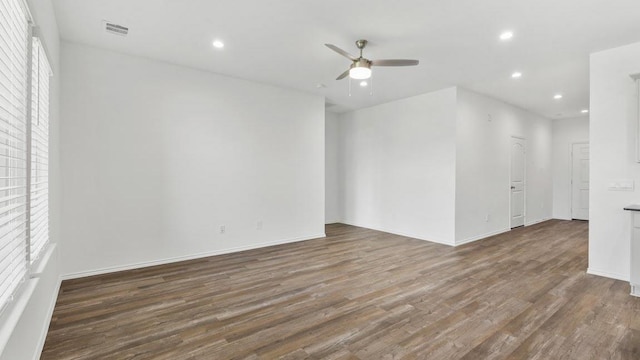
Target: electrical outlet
x=222, y=229
x=487, y=218
x=259, y=225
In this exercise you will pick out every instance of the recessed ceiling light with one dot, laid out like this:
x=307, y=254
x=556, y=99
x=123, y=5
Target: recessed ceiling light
x=557, y=96
x=585, y=111
x=516, y=75
x=363, y=83
x=218, y=44
x=506, y=35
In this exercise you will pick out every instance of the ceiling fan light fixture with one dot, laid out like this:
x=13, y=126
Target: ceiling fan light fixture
x=360, y=73
x=360, y=69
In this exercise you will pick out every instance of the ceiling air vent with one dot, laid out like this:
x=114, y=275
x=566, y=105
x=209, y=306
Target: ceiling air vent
x=115, y=28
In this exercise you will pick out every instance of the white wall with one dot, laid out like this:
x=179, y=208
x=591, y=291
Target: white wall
x=565, y=133
x=435, y=165
x=613, y=124
x=398, y=166
x=157, y=157
x=484, y=130
x=333, y=207
x=26, y=321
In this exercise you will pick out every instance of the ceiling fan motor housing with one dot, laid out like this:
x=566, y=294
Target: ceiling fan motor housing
x=362, y=62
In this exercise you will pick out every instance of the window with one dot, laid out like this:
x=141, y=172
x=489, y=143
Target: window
x=39, y=192
x=14, y=45
x=24, y=143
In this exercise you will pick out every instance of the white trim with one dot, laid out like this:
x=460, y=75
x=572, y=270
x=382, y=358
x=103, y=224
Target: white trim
x=27, y=10
x=170, y=260
x=607, y=274
x=13, y=313
x=39, y=267
x=22, y=301
x=414, y=236
x=537, y=221
x=45, y=329
x=480, y=237
x=635, y=290
x=333, y=221
x=559, y=218
x=36, y=32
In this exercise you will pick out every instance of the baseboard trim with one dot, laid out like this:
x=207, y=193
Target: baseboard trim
x=536, y=221
x=480, y=237
x=170, y=260
x=414, y=236
x=607, y=274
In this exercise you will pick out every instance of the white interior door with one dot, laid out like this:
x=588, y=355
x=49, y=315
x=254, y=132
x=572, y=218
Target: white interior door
x=518, y=185
x=580, y=181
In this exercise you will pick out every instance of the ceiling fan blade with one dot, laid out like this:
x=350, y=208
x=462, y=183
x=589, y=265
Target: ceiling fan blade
x=341, y=52
x=343, y=75
x=394, y=62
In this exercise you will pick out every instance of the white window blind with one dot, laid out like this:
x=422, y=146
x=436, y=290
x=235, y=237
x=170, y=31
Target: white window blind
x=39, y=186
x=14, y=46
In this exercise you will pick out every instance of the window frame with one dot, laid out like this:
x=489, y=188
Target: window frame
x=36, y=41
x=25, y=265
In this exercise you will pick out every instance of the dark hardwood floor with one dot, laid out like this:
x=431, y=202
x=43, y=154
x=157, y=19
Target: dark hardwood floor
x=359, y=294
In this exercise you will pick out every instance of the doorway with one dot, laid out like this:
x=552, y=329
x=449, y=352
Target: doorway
x=517, y=182
x=580, y=181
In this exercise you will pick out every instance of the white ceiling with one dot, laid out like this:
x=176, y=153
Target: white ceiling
x=280, y=42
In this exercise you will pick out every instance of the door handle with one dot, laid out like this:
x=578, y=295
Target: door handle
x=513, y=188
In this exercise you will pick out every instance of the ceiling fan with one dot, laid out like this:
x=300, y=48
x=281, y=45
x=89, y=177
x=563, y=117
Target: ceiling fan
x=361, y=67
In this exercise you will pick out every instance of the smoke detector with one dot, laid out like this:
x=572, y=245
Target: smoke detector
x=113, y=28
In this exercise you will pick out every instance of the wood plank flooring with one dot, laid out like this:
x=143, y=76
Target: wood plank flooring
x=358, y=294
